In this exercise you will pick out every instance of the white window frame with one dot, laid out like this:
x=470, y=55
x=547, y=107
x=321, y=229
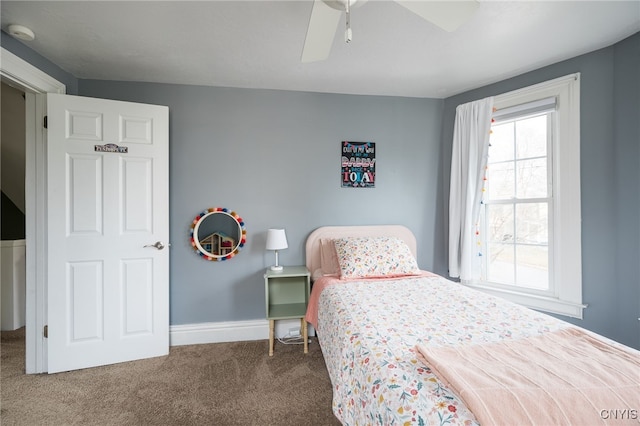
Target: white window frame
x=566, y=249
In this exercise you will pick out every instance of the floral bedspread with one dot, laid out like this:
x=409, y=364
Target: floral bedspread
x=368, y=330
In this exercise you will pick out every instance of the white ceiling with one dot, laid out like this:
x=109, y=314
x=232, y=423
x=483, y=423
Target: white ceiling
x=257, y=44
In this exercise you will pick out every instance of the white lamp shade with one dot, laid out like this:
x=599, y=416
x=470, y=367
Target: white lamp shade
x=276, y=239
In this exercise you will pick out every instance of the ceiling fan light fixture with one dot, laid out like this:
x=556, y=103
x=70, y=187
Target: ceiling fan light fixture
x=348, y=35
x=21, y=32
x=326, y=16
x=341, y=5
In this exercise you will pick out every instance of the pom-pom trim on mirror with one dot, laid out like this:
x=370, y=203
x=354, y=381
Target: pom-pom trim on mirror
x=196, y=244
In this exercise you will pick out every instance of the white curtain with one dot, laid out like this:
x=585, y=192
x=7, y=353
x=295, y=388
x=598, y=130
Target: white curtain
x=468, y=163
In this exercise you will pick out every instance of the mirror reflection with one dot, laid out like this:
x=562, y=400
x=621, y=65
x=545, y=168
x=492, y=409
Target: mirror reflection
x=218, y=234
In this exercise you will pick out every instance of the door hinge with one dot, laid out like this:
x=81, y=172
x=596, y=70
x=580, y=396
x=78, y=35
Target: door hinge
x=45, y=331
x=45, y=122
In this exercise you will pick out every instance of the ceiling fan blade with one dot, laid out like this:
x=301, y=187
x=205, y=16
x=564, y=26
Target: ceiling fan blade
x=448, y=15
x=321, y=32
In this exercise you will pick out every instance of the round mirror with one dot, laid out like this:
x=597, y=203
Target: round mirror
x=218, y=234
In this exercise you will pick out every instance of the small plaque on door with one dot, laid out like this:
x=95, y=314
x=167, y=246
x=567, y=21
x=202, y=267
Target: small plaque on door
x=112, y=147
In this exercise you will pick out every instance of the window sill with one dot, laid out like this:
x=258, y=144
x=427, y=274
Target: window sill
x=540, y=303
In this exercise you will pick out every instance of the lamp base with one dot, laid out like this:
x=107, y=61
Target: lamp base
x=276, y=268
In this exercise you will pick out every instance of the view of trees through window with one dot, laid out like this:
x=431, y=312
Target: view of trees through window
x=517, y=204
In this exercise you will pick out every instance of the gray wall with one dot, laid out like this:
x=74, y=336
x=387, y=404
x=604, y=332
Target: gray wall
x=610, y=181
x=626, y=137
x=274, y=158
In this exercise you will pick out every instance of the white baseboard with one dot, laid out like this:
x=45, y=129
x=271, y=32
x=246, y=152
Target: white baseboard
x=216, y=332
x=231, y=331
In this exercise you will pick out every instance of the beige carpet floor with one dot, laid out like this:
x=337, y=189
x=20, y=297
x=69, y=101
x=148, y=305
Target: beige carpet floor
x=214, y=384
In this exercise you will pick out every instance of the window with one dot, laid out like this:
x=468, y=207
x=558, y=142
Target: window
x=529, y=229
x=515, y=214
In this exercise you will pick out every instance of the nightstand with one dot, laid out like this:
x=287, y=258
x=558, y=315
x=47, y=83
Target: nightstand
x=287, y=295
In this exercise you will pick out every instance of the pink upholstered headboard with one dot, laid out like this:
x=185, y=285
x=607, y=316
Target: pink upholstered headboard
x=313, y=240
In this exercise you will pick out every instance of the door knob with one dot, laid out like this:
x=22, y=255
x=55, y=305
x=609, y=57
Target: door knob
x=159, y=245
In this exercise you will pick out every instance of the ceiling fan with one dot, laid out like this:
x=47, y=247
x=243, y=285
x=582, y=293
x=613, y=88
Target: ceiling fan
x=325, y=17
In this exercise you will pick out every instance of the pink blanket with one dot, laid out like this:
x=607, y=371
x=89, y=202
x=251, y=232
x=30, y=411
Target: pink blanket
x=312, y=307
x=565, y=377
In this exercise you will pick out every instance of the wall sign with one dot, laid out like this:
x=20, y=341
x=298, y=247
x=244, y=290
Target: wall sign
x=111, y=147
x=358, y=164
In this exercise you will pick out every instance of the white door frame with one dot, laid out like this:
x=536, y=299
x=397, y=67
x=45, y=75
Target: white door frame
x=33, y=81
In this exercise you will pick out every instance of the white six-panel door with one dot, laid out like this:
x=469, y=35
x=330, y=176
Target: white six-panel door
x=108, y=294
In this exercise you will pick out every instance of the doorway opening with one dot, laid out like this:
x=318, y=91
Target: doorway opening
x=12, y=227
x=23, y=76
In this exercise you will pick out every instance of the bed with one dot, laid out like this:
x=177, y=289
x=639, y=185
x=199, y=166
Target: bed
x=405, y=346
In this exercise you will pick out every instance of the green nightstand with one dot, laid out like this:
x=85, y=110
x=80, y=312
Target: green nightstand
x=287, y=295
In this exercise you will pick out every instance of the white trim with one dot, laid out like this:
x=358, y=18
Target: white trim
x=27, y=76
x=229, y=331
x=537, y=91
x=541, y=303
x=567, y=224
x=32, y=80
x=217, y=332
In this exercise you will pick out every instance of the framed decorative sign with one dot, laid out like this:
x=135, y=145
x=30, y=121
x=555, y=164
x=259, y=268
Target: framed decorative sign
x=358, y=164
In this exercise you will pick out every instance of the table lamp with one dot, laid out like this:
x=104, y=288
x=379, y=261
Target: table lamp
x=276, y=240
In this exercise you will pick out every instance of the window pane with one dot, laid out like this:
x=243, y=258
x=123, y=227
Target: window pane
x=516, y=244
x=499, y=221
x=531, y=137
x=531, y=179
x=532, y=267
x=500, y=181
x=501, y=142
x=532, y=224
x=500, y=263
